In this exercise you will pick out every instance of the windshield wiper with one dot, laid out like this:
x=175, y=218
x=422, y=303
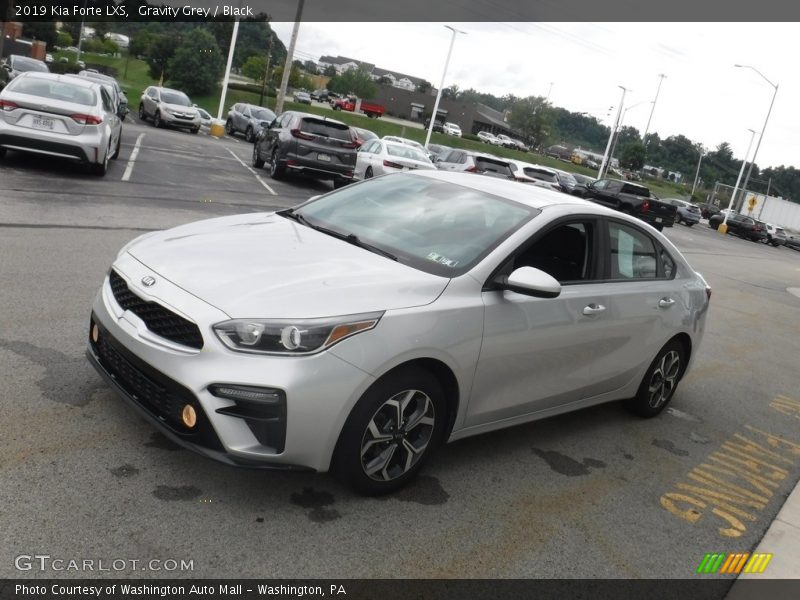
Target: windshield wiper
x=350, y=238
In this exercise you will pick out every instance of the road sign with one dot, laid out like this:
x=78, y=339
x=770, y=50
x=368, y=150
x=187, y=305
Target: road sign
x=752, y=202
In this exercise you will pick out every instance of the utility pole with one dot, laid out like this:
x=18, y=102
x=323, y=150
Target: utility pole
x=601, y=173
x=652, y=110
x=697, y=174
x=287, y=67
x=266, y=72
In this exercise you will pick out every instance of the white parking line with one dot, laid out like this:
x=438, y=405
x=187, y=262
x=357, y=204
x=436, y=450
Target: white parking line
x=129, y=169
x=246, y=166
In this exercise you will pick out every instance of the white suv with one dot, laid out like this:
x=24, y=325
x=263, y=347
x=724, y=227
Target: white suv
x=452, y=129
x=775, y=235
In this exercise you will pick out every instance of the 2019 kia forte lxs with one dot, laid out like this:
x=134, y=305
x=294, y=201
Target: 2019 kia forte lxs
x=358, y=331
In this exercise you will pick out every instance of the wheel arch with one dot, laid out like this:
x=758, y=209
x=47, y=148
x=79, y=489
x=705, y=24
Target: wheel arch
x=686, y=341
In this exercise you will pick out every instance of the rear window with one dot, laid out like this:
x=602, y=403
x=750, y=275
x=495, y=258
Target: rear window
x=493, y=166
x=54, y=90
x=338, y=131
x=635, y=190
x=541, y=175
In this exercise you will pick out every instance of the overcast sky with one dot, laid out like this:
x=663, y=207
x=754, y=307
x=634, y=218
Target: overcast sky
x=703, y=96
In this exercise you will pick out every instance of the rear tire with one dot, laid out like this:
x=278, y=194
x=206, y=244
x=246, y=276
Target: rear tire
x=660, y=381
x=102, y=168
x=368, y=173
x=116, y=150
x=391, y=432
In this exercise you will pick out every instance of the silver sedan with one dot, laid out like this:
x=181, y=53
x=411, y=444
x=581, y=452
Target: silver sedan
x=378, y=157
x=363, y=328
x=60, y=116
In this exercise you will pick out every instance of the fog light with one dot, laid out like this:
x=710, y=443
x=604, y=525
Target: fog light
x=95, y=333
x=189, y=416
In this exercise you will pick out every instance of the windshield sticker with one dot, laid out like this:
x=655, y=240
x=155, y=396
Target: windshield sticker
x=442, y=260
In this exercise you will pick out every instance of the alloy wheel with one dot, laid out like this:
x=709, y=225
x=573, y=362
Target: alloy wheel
x=664, y=379
x=397, y=435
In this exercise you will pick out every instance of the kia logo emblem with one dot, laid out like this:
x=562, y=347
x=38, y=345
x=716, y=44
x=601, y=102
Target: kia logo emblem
x=148, y=281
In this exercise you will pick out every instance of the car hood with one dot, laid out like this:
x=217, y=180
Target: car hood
x=264, y=265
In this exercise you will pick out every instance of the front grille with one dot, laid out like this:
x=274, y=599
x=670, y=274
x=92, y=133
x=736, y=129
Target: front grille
x=158, y=319
x=152, y=390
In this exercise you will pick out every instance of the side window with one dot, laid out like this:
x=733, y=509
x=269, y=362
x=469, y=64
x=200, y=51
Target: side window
x=633, y=255
x=108, y=104
x=246, y=111
x=377, y=147
x=237, y=108
x=565, y=253
x=601, y=184
x=614, y=186
x=152, y=93
x=667, y=263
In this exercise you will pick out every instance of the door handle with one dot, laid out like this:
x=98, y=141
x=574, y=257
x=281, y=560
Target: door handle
x=665, y=302
x=593, y=309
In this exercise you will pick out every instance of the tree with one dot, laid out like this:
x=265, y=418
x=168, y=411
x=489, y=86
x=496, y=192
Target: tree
x=450, y=92
x=633, y=155
x=140, y=43
x=531, y=116
x=310, y=66
x=354, y=81
x=424, y=86
x=159, y=54
x=64, y=39
x=197, y=65
x=43, y=31
x=330, y=71
x=384, y=80
x=254, y=68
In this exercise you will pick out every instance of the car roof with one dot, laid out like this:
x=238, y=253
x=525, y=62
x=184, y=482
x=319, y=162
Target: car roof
x=320, y=117
x=511, y=190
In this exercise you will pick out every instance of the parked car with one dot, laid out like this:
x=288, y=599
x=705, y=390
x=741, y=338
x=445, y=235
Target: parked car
x=775, y=235
x=545, y=176
x=688, y=213
x=737, y=224
x=119, y=94
x=439, y=151
x=48, y=58
x=15, y=64
x=363, y=135
x=476, y=162
x=378, y=157
x=793, y=241
x=248, y=119
x=406, y=141
x=558, y=151
x=168, y=108
x=362, y=329
x=633, y=199
x=438, y=125
x=451, y=129
x=568, y=183
x=489, y=138
x=349, y=103
x=205, y=118
x=583, y=183
x=302, y=97
x=507, y=142
x=60, y=116
x=308, y=144
x=319, y=95
x=708, y=210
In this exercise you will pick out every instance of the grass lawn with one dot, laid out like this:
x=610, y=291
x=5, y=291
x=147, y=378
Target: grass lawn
x=134, y=76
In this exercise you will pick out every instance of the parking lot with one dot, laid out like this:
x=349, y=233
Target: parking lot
x=597, y=493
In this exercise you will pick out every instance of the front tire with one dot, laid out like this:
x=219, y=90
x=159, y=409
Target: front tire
x=142, y=113
x=229, y=127
x=257, y=161
x=157, y=120
x=659, y=382
x=248, y=135
x=391, y=432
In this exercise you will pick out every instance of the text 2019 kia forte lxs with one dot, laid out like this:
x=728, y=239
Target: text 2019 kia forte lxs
x=361, y=329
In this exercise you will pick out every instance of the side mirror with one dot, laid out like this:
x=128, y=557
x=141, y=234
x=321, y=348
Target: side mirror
x=122, y=111
x=530, y=282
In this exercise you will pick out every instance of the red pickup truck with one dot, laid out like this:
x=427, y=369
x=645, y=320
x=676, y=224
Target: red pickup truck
x=349, y=103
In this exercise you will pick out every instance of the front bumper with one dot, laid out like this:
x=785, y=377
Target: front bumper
x=172, y=121
x=319, y=391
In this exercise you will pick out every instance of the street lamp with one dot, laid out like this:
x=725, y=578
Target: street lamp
x=723, y=228
x=760, y=137
x=548, y=91
x=604, y=164
x=441, y=85
x=652, y=110
x=697, y=174
x=619, y=128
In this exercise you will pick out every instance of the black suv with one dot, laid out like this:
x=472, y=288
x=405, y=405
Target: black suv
x=308, y=144
x=738, y=224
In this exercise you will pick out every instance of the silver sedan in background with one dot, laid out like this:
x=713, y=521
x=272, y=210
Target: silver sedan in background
x=60, y=116
x=378, y=157
x=358, y=331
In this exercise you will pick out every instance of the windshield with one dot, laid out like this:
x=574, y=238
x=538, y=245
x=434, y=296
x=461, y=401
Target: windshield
x=406, y=152
x=178, y=98
x=22, y=64
x=263, y=114
x=422, y=221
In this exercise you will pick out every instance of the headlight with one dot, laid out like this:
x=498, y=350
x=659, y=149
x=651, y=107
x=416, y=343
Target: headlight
x=292, y=336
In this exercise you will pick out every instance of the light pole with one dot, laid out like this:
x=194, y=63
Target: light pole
x=723, y=227
x=619, y=128
x=441, y=85
x=604, y=164
x=760, y=137
x=80, y=33
x=697, y=174
x=652, y=110
x=548, y=91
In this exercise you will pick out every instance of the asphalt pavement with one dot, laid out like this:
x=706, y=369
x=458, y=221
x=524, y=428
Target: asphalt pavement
x=598, y=493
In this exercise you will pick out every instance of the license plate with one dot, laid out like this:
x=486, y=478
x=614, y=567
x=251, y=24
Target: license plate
x=324, y=157
x=43, y=123
x=658, y=219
